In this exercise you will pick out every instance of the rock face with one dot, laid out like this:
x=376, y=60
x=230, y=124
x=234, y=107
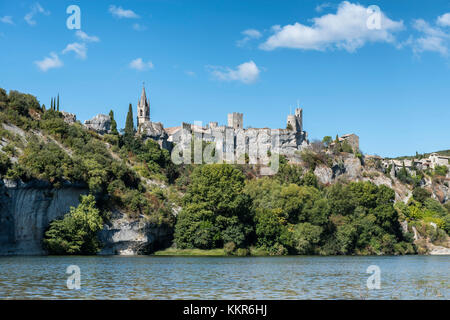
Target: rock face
x=101, y=123
x=26, y=211
x=439, y=251
x=324, y=174
x=69, y=118
x=123, y=236
x=155, y=131
x=352, y=167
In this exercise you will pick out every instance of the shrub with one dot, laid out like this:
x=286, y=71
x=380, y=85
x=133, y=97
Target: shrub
x=76, y=233
x=421, y=194
x=229, y=248
x=242, y=252
x=441, y=170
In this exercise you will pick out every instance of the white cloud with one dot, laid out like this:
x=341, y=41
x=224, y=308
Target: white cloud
x=80, y=49
x=85, y=37
x=49, y=62
x=119, y=12
x=249, y=35
x=321, y=7
x=248, y=72
x=190, y=73
x=431, y=39
x=346, y=29
x=7, y=19
x=444, y=20
x=139, y=27
x=35, y=9
x=140, y=65
x=252, y=33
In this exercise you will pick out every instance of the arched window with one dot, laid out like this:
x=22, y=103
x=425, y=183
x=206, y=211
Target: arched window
x=141, y=112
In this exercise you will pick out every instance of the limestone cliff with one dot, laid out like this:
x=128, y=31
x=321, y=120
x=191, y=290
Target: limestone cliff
x=26, y=209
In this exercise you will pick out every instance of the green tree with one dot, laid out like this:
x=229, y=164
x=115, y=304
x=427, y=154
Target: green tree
x=327, y=140
x=306, y=237
x=129, y=124
x=3, y=98
x=22, y=102
x=421, y=194
x=57, y=104
x=113, y=123
x=76, y=233
x=215, y=208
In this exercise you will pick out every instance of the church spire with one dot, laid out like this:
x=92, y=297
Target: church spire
x=143, y=102
x=143, y=107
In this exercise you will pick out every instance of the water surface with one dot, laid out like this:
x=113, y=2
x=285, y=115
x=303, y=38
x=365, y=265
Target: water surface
x=294, y=277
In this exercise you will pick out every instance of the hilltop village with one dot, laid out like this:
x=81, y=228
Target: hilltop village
x=232, y=141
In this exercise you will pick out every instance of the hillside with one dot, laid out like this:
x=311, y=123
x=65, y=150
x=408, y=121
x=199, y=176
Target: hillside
x=326, y=199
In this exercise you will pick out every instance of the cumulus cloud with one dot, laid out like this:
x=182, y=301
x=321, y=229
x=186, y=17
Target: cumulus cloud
x=85, y=37
x=346, y=29
x=249, y=34
x=247, y=73
x=444, y=20
x=119, y=12
x=140, y=65
x=35, y=9
x=431, y=39
x=7, y=19
x=80, y=49
x=49, y=62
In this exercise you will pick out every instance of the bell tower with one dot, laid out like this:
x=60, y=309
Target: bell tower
x=143, y=108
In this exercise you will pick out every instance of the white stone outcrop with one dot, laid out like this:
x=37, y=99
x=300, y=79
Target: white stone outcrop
x=101, y=123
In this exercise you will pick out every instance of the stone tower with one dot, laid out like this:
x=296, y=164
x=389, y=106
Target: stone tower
x=236, y=120
x=296, y=120
x=143, y=108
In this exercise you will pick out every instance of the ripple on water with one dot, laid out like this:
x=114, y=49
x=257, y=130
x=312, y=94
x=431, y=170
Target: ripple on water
x=151, y=277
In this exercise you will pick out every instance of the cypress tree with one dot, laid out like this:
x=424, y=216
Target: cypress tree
x=58, y=102
x=113, y=123
x=43, y=107
x=129, y=124
x=51, y=104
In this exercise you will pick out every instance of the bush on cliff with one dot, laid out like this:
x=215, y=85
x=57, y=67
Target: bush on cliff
x=76, y=233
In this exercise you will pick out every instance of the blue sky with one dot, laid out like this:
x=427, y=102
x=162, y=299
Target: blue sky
x=386, y=79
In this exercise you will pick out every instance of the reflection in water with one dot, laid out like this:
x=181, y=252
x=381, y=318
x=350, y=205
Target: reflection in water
x=153, y=277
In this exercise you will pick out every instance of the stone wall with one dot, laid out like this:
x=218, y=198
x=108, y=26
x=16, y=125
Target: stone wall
x=232, y=145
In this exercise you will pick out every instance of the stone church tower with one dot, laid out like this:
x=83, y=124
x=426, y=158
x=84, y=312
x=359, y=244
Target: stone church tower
x=143, y=108
x=295, y=121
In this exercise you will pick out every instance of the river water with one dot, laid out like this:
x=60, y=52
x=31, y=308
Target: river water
x=293, y=277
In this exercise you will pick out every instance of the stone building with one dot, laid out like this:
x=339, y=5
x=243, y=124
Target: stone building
x=351, y=138
x=148, y=129
x=236, y=120
x=143, y=109
x=233, y=143
x=295, y=121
